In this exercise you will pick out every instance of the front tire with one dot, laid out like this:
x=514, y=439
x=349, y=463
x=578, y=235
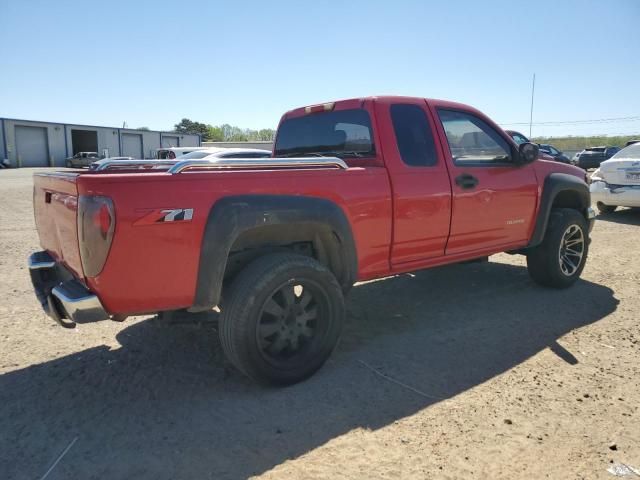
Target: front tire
x=559, y=260
x=604, y=209
x=282, y=318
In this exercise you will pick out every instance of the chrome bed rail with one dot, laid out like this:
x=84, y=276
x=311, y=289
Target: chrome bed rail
x=175, y=166
x=257, y=163
x=133, y=165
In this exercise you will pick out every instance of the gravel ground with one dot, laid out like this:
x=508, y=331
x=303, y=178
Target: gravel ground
x=469, y=371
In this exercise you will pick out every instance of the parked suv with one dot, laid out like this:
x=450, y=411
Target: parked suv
x=592, y=157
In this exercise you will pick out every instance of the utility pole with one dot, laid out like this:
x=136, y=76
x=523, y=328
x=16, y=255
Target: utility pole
x=533, y=89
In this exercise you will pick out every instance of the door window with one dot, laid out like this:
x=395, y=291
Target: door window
x=472, y=141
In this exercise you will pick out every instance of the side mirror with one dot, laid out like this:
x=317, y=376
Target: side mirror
x=528, y=152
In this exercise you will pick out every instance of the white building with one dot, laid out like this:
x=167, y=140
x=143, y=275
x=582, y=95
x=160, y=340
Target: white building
x=30, y=143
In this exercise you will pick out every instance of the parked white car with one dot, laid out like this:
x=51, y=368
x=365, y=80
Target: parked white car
x=169, y=153
x=210, y=153
x=617, y=182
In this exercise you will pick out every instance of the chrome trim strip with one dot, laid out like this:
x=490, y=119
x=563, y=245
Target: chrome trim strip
x=223, y=163
x=178, y=166
x=129, y=164
x=36, y=261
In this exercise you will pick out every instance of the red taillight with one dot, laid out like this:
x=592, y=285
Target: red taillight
x=96, y=224
x=102, y=220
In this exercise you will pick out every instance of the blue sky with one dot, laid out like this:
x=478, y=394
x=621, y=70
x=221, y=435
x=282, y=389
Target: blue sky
x=151, y=63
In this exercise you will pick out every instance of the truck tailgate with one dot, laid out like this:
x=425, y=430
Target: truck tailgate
x=55, y=204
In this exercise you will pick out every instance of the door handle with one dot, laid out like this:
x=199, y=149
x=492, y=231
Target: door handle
x=466, y=181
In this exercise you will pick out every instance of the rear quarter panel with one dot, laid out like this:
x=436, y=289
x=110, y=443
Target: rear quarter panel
x=154, y=266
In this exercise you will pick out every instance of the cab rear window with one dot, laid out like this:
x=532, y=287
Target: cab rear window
x=342, y=133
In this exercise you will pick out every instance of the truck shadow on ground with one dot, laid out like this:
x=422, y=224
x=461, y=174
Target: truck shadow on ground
x=625, y=216
x=165, y=405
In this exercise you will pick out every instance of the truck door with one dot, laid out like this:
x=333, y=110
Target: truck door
x=418, y=175
x=494, y=199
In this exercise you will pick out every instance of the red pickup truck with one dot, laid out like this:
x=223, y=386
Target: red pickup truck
x=356, y=189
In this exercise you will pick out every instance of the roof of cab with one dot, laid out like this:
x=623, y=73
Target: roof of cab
x=359, y=102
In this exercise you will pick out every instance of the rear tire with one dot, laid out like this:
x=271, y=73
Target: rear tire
x=559, y=260
x=602, y=208
x=282, y=318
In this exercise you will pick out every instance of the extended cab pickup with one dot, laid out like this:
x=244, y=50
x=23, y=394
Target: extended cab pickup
x=356, y=189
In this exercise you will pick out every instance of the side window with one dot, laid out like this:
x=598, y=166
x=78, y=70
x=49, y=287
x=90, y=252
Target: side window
x=413, y=135
x=473, y=141
x=239, y=155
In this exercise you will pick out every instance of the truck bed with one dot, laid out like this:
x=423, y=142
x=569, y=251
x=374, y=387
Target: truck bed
x=161, y=258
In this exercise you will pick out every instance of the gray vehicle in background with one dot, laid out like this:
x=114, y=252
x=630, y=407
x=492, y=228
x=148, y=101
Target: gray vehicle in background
x=81, y=159
x=554, y=152
x=592, y=157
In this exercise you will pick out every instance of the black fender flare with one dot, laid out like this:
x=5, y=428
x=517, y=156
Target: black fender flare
x=554, y=185
x=232, y=216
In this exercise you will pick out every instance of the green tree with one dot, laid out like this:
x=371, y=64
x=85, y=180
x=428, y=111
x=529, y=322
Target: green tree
x=224, y=132
x=191, y=127
x=215, y=134
x=266, y=134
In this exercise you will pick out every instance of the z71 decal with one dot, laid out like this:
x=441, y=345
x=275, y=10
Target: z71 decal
x=166, y=215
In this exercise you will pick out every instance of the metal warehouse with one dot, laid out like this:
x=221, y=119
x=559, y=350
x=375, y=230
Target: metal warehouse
x=29, y=143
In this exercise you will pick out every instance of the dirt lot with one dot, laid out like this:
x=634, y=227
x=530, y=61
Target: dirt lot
x=493, y=377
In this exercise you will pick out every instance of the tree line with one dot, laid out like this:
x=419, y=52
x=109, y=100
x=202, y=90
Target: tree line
x=223, y=133
x=581, y=142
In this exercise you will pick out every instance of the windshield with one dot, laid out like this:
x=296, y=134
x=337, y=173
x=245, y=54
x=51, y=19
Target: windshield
x=342, y=133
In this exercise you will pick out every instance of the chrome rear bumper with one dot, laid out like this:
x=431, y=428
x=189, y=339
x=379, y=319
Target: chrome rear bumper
x=61, y=295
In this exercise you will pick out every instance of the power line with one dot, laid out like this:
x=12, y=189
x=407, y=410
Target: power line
x=580, y=122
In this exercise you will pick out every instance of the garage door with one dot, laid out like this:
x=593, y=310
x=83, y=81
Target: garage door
x=32, y=147
x=132, y=145
x=169, y=141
